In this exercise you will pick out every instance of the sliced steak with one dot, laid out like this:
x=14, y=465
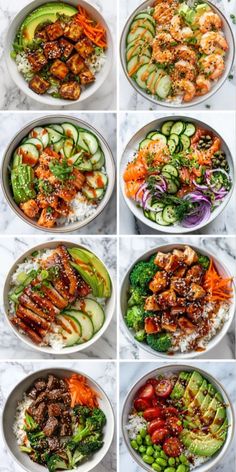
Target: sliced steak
x=55, y=409
x=32, y=393
x=53, y=382
x=53, y=444
x=40, y=385
x=65, y=430
x=51, y=426
x=38, y=412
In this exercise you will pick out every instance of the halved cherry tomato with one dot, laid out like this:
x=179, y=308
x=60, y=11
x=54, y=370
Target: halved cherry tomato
x=146, y=392
x=152, y=413
x=154, y=425
x=174, y=425
x=164, y=388
x=159, y=435
x=170, y=411
x=140, y=404
x=156, y=402
x=172, y=447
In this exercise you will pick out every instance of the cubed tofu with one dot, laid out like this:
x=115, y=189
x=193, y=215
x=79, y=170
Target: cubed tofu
x=66, y=48
x=186, y=325
x=48, y=217
x=84, y=47
x=41, y=34
x=190, y=256
x=30, y=208
x=75, y=64
x=161, y=259
x=52, y=50
x=177, y=310
x=37, y=60
x=159, y=282
x=152, y=325
x=59, y=69
x=180, y=286
x=55, y=31
x=196, y=292
x=73, y=31
x=180, y=272
x=169, y=262
x=167, y=298
x=151, y=304
x=86, y=76
x=168, y=322
x=194, y=274
x=194, y=312
x=70, y=91
x=39, y=85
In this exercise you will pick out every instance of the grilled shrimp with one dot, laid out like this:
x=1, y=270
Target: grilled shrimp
x=213, y=65
x=179, y=33
x=184, y=70
x=163, y=13
x=183, y=52
x=211, y=41
x=161, y=51
x=187, y=87
x=203, y=85
x=209, y=21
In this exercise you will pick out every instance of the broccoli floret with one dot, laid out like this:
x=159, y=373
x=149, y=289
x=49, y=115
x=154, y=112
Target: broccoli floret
x=35, y=438
x=93, y=424
x=100, y=417
x=83, y=412
x=204, y=261
x=134, y=318
x=89, y=446
x=55, y=462
x=142, y=273
x=140, y=335
x=137, y=296
x=30, y=424
x=159, y=342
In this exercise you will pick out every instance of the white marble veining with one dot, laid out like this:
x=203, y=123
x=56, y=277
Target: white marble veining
x=223, y=123
x=131, y=248
x=11, y=347
x=129, y=99
x=11, y=98
x=104, y=373
x=224, y=372
x=11, y=123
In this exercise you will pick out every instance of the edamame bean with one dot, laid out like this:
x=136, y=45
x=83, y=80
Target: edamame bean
x=134, y=444
x=171, y=461
x=142, y=449
x=177, y=460
x=143, y=433
x=163, y=455
x=147, y=459
x=148, y=440
x=157, y=447
x=183, y=459
x=156, y=454
x=156, y=467
x=170, y=469
x=150, y=451
x=161, y=462
x=181, y=468
x=139, y=440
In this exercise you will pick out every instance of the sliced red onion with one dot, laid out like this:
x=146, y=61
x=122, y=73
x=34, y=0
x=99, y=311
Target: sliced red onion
x=145, y=196
x=208, y=174
x=196, y=197
x=202, y=215
x=200, y=187
x=142, y=187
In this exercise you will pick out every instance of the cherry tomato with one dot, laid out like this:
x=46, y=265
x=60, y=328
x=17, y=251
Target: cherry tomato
x=170, y=411
x=174, y=424
x=154, y=425
x=152, y=413
x=159, y=435
x=153, y=382
x=172, y=447
x=164, y=388
x=140, y=404
x=146, y=392
x=156, y=402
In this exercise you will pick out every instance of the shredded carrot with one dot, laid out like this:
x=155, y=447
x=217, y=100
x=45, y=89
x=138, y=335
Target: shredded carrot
x=80, y=392
x=218, y=288
x=92, y=29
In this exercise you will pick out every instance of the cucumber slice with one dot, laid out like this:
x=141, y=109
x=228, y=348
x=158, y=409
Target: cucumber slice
x=57, y=128
x=178, y=128
x=85, y=323
x=59, y=145
x=150, y=134
x=135, y=62
x=71, y=329
x=144, y=23
x=166, y=127
x=185, y=141
x=160, y=220
x=146, y=16
x=175, y=138
x=159, y=137
x=138, y=47
x=171, y=145
x=146, y=213
x=36, y=142
x=91, y=193
x=29, y=154
x=158, y=206
x=172, y=188
x=90, y=141
x=95, y=312
x=54, y=136
x=96, y=179
x=170, y=170
x=68, y=147
x=189, y=130
x=140, y=33
x=164, y=86
x=144, y=143
x=152, y=215
x=100, y=163
x=152, y=80
x=169, y=214
x=143, y=74
x=70, y=131
x=40, y=133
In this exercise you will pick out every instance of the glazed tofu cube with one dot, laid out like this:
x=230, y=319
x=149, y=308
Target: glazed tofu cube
x=52, y=50
x=159, y=282
x=86, y=76
x=76, y=64
x=186, y=325
x=168, y=322
x=41, y=34
x=30, y=208
x=161, y=259
x=84, y=47
x=54, y=31
x=151, y=304
x=37, y=60
x=66, y=48
x=70, y=91
x=194, y=311
x=194, y=274
x=59, y=69
x=73, y=31
x=167, y=298
x=196, y=291
x=39, y=85
x=179, y=285
x=190, y=256
x=152, y=325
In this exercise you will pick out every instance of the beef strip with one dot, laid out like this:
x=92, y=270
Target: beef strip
x=38, y=413
x=53, y=444
x=40, y=385
x=51, y=426
x=55, y=409
x=53, y=382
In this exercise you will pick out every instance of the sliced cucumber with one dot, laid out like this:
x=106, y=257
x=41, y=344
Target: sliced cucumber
x=150, y=134
x=71, y=329
x=70, y=131
x=159, y=137
x=135, y=62
x=143, y=74
x=160, y=220
x=146, y=16
x=172, y=188
x=68, y=147
x=36, y=142
x=29, y=154
x=98, y=158
x=96, y=179
x=59, y=145
x=138, y=47
x=164, y=86
x=54, y=136
x=144, y=23
x=189, y=130
x=170, y=170
x=152, y=80
x=175, y=138
x=171, y=145
x=57, y=128
x=96, y=313
x=185, y=141
x=158, y=206
x=166, y=127
x=140, y=33
x=85, y=323
x=90, y=141
x=178, y=128
x=92, y=193
x=80, y=162
x=40, y=133
x=100, y=163
x=152, y=215
x=146, y=213
x=169, y=214
x=144, y=143
x=81, y=143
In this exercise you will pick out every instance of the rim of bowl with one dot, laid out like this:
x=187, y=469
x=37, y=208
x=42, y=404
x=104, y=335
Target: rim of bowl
x=76, y=225
x=55, y=369
x=163, y=103
x=49, y=350
x=182, y=229
x=48, y=100
x=213, y=380
x=188, y=355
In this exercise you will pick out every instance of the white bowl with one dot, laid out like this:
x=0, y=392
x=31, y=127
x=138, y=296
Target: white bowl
x=18, y=78
x=7, y=158
x=212, y=462
x=127, y=156
x=108, y=309
x=229, y=59
x=222, y=269
x=8, y=418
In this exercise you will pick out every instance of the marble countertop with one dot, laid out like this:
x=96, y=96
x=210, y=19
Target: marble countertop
x=131, y=100
x=105, y=123
x=223, y=123
x=222, y=371
x=13, y=348
x=224, y=248
x=102, y=372
x=12, y=98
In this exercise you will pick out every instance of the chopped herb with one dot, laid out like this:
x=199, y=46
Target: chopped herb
x=61, y=170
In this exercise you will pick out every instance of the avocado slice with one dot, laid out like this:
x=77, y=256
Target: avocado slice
x=179, y=387
x=88, y=277
x=45, y=14
x=206, y=402
x=211, y=410
x=198, y=400
x=193, y=387
x=204, y=445
x=218, y=420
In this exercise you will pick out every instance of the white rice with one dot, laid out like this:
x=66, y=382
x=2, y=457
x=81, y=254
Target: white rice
x=19, y=420
x=26, y=267
x=54, y=338
x=135, y=424
x=23, y=66
x=96, y=62
x=80, y=210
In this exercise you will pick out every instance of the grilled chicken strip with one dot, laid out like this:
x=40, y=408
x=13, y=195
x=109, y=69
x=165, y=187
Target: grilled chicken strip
x=54, y=296
x=69, y=271
x=27, y=315
x=28, y=303
x=43, y=302
x=36, y=338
